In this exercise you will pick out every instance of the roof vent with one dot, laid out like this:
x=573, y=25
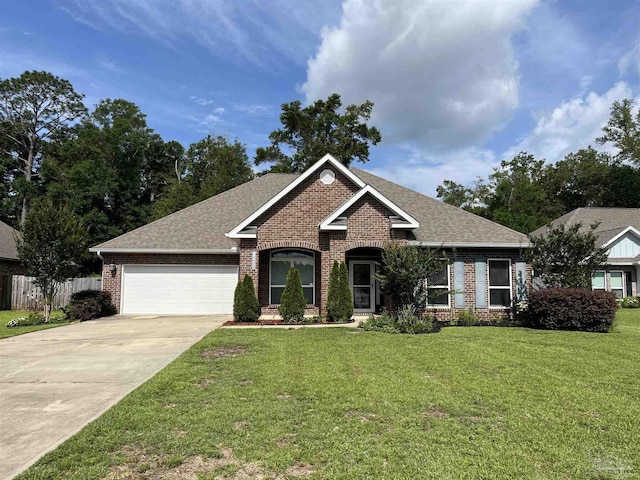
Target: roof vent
x=327, y=176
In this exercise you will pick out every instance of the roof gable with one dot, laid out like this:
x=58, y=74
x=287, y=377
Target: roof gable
x=406, y=221
x=239, y=231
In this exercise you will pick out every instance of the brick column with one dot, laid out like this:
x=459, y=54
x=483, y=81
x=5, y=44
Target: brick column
x=249, y=261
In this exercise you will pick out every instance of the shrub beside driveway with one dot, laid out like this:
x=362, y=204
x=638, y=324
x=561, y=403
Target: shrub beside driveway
x=477, y=402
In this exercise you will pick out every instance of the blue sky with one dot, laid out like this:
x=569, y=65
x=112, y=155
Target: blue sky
x=458, y=85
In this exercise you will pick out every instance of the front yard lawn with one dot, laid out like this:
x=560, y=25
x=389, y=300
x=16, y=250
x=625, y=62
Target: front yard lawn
x=469, y=402
x=6, y=315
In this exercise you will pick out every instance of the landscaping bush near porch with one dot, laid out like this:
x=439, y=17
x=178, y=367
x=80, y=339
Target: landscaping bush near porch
x=405, y=320
x=572, y=309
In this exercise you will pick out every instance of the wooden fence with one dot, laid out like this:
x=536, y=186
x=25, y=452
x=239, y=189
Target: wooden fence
x=26, y=296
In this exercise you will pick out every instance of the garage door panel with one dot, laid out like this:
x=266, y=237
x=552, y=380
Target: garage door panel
x=176, y=289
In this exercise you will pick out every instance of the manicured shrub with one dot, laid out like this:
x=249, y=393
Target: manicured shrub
x=292, y=302
x=339, y=298
x=630, y=302
x=467, y=318
x=90, y=304
x=246, y=307
x=572, y=309
x=407, y=320
x=381, y=323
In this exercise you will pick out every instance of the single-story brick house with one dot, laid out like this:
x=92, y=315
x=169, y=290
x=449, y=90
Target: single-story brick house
x=619, y=231
x=9, y=263
x=190, y=261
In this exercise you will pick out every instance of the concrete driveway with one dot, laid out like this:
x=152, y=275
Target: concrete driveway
x=53, y=382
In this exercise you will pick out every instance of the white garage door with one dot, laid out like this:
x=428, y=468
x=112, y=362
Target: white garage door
x=178, y=289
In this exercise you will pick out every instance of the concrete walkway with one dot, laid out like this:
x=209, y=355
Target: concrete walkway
x=53, y=382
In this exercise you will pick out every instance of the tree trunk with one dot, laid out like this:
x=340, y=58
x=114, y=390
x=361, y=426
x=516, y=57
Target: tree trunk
x=28, y=169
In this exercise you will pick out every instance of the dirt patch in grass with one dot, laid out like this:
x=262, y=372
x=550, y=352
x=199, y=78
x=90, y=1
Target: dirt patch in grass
x=364, y=417
x=140, y=465
x=253, y=471
x=229, y=351
x=434, y=412
x=242, y=425
x=300, y=470
x=287, y=440
x=283, y=396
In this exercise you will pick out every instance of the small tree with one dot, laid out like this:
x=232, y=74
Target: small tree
x=566, y=256
x=246, y=307
x=405, y=271
x=51, y=247
x=292, y=302
x=339, y=298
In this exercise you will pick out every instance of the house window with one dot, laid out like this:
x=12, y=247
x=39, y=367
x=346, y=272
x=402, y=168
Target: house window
x=616, y=284
x=499, y=283
x=438, y=288
x=598, y=280
x=281, y=262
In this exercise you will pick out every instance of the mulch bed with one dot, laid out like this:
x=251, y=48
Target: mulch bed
x=260, y=323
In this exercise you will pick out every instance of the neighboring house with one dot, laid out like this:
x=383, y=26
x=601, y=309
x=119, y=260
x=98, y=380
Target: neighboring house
x=189, y=262
x=619, y=232
x=9, y=263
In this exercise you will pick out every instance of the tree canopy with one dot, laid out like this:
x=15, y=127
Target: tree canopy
x=51, y=248
x=309, y=133
x=566, y=256
x=35, y=108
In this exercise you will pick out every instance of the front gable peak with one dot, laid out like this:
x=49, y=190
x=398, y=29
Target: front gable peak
x=400, y=219
x=246, y=229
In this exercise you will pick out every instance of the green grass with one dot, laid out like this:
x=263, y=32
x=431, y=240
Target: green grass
x=466, y=403
x=6, y=315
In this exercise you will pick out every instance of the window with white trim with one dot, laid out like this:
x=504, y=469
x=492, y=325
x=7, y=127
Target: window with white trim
x=438, y=288
x=280, y=263
x=499, y=283
x=616, y=283
x=598, y=280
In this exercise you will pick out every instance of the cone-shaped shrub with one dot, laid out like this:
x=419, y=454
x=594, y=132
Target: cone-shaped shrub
x=346, y=297
x=292, y=302
x=246, y=307
x=339, y=299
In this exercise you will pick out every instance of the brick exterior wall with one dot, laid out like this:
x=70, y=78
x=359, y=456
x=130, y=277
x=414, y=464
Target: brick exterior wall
x=293, y=224
x=113, y=282
x=469, y=257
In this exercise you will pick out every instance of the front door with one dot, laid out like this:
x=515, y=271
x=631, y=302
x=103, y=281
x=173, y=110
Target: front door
x=363, y=285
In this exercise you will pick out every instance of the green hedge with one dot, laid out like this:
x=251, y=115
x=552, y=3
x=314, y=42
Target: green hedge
x=572, y=309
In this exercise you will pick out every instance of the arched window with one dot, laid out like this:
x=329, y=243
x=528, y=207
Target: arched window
x=281, y=262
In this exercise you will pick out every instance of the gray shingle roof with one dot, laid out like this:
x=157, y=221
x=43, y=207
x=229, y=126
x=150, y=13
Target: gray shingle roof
x=612, y=221
x=203, y=226
x=8, y=242
x=439, y=221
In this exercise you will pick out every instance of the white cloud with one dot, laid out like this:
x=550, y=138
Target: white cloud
x=441, y=73
x=424, y=173
x=256, y=109
x=219, y=111
x=201, y=101
x=572, y=125
x=261, y=31
x=630, y=60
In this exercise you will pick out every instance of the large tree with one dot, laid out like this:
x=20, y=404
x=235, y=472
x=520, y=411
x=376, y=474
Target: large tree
x=35, y=108
x=323, y=127
x=210, y=166
x=566, y=256
x=623, y=130
x=51, y=248
x=112, y=171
